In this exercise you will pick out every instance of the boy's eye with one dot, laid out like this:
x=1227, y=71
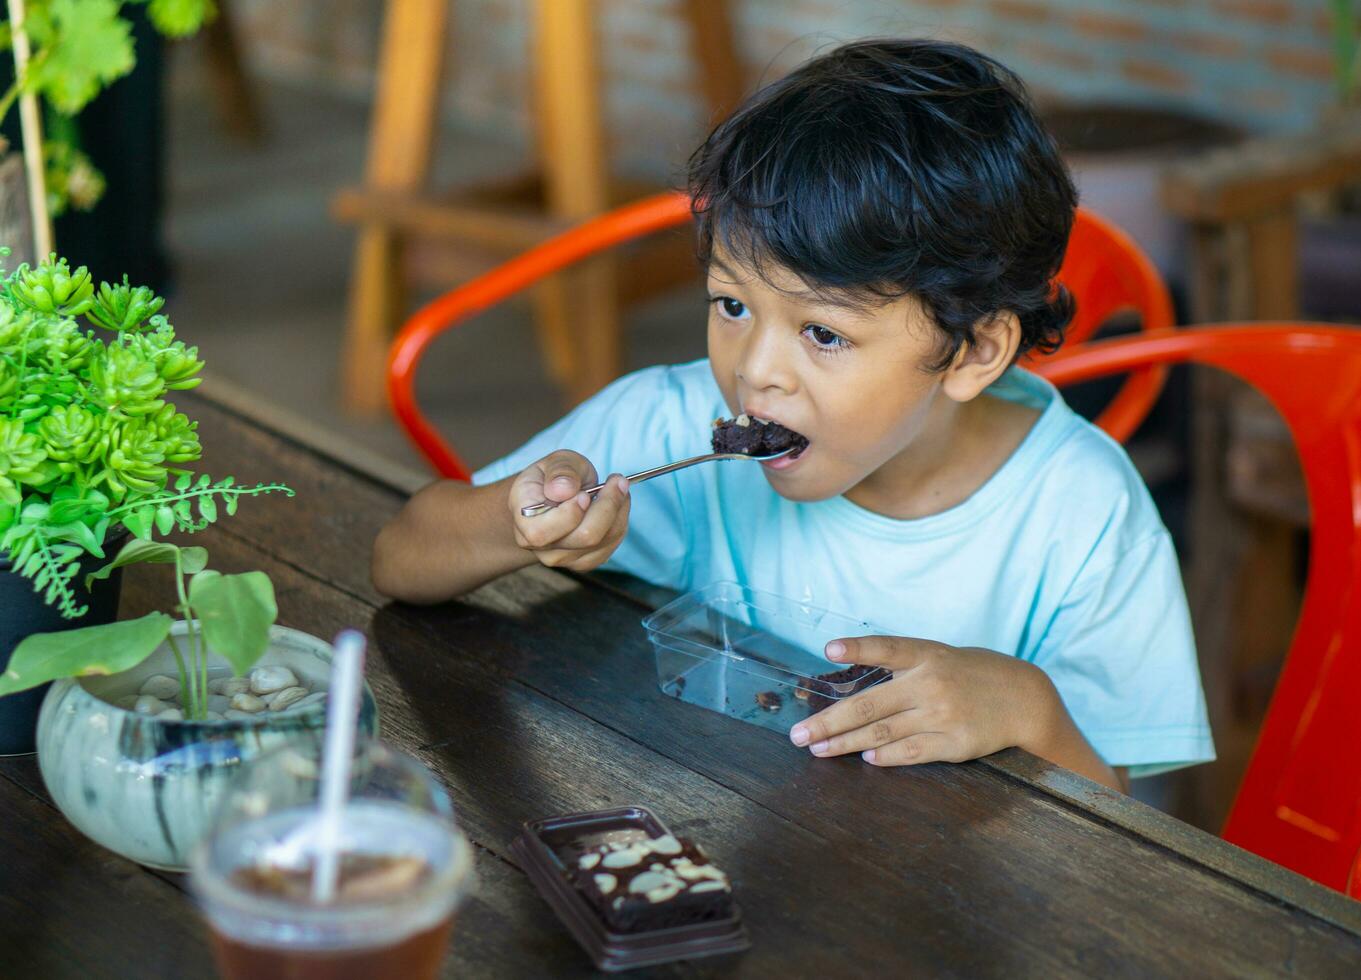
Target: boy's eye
x=731, y=308
x=824, y=338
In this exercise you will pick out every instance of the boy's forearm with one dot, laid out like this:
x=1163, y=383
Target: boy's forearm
x=1055, y=737
x=449, y=539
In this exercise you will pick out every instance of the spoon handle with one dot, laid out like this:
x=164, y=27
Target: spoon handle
x=537, y=509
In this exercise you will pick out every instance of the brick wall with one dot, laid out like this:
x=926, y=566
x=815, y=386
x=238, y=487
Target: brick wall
x=1263, y=64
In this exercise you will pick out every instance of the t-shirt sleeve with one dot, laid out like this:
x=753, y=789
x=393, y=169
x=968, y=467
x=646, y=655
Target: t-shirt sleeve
x=637, y=422
x=1121, y=653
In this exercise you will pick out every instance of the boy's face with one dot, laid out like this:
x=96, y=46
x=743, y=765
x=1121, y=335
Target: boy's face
x=854, y=382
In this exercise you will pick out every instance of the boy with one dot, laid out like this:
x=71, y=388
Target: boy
x=881, y=230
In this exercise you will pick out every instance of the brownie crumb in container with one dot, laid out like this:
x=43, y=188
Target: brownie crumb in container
x=769, y=700
x=824, y=693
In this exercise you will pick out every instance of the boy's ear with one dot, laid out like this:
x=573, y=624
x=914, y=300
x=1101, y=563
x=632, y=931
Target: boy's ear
x=982, y=362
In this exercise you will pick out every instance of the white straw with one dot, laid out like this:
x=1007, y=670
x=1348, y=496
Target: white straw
x=342, y=710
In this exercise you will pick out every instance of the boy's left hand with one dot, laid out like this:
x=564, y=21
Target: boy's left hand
x=944, y=704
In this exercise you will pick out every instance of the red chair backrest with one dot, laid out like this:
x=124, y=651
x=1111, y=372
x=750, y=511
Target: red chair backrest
x=1108, y=274
x=1300, y=800
x=1103, y=268
x=614, y=228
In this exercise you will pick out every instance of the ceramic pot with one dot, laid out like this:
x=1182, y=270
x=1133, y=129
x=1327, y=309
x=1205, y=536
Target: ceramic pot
x=146, y=788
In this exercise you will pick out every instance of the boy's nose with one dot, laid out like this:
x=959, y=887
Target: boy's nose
x=763, y=364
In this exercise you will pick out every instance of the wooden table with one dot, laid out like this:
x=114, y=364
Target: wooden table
x=537, y=695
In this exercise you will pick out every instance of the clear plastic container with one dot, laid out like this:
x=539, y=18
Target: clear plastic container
x=754, y=655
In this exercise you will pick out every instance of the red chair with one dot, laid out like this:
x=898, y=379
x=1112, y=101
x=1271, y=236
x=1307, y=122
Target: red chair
x=1108, y=274
x=1300, y=800
x=1104, y=269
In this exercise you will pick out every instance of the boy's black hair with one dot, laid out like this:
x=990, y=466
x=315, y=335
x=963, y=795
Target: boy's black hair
x=892, y=167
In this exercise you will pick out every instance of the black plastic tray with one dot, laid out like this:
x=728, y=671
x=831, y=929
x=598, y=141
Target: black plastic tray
x=538, y=851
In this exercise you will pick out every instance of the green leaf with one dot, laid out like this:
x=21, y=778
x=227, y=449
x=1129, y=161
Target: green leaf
x=137, y=551
x=165, y=519
x=72, y=503
x=91, y=650
x=139, y=521
x=207, y=508
x=193, y=559
x=183, y=480
x=235, y=612
x=180, y=18
x=80, y=533
x=88, y=46
x=66, y=511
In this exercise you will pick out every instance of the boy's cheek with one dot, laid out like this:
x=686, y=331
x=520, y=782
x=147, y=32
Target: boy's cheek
x=725, y=378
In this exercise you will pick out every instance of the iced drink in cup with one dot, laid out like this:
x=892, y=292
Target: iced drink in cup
x=403, y=868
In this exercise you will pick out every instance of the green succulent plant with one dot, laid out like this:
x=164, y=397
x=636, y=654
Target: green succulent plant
x=53, y=288
x=89, y=442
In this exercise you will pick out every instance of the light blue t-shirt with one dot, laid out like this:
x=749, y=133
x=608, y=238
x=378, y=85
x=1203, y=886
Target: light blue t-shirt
x=1060, y=558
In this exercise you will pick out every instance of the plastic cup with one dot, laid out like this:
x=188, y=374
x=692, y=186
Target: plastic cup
x=405, y=868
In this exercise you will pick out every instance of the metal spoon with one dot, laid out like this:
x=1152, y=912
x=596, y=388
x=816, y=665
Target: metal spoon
x=537, y=509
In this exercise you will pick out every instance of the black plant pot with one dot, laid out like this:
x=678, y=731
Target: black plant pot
x=23, y=613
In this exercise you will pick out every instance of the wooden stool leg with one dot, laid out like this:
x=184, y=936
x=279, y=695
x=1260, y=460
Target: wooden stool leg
x=553, y=327
x=235, y=95
x=721, y=71
x=401, y=138
x=579, y=313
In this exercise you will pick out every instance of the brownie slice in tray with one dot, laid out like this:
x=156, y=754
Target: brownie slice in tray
x=753, y=437
x=659, y=883
x=822, y=694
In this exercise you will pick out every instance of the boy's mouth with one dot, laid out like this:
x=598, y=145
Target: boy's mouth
x=790, y=459
x=784, y=462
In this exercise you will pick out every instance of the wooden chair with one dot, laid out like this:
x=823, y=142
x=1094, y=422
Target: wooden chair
x=1105, y=270
x=395, y=209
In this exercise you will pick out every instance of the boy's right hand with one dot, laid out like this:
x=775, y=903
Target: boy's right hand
x=579, y=533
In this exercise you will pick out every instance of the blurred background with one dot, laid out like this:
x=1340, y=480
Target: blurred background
x=297, y=186
x=259, y=265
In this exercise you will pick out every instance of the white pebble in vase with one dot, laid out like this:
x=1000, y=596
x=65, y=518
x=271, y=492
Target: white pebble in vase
x=248, y=703
x=149, y=705
x=288, y=696
x=229, y=686
x=160, y=686
x=308, y=701
x=267, y=680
